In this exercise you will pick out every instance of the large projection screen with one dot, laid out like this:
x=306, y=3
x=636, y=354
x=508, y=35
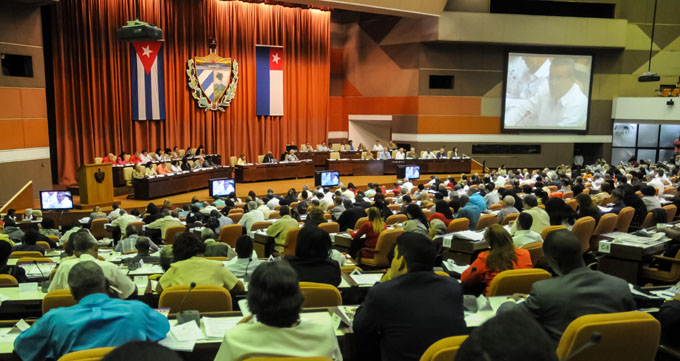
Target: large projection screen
x=547, y=92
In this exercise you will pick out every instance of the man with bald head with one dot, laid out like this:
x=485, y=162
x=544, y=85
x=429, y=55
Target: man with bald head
x=577, y=291
x=96, y=321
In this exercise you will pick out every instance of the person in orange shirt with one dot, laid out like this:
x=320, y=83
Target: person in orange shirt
x=121, y=159
x=372, y=229
x=162, y=169
x=502, y=256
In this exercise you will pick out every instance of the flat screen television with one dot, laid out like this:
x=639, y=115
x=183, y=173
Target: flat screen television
x=408, y=171
x=221, y=187
x=326, y=178
x=547, y=92
x=56, y=200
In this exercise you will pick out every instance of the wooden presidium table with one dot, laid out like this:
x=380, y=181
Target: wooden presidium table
x=389, y=166
x=119, y=170
x=273, y=171
x=161, y=186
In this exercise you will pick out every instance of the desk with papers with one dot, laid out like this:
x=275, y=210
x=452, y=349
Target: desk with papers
x=624, y=253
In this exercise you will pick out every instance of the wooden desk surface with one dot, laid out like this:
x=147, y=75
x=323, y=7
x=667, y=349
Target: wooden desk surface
x=273, y=171
x=161, y=186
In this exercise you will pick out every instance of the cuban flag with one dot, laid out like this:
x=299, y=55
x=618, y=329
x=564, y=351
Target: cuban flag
x=147, y=80
x=269, y=61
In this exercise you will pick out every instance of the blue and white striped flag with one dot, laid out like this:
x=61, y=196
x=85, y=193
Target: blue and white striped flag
x=148, y=81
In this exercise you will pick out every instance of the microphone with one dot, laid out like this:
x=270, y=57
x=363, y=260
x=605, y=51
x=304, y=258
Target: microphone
x=38, y=267
x=191, y=315
x=245, y=276
x=595, y=339
x=45, y=284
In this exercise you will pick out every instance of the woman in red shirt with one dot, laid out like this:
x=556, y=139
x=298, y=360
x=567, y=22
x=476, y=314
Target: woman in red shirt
x=502, y=256
x=372, y=230
x=121, y=159
x=441, y=212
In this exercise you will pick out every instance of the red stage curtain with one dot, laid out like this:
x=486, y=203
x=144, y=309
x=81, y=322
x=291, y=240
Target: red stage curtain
x=92, y=78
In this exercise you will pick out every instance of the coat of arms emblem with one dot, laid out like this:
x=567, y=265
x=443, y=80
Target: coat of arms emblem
x=209, y=80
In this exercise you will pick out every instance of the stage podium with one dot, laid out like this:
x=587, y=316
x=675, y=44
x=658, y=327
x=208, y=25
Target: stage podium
x=95, y=183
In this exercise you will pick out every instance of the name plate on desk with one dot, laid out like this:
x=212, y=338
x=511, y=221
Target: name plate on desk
x=604, y=247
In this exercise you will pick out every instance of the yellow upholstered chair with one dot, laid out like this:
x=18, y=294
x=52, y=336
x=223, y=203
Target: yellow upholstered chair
x=43, y=244
x=230, y=233
x=94, y=354
x=291, y=241
x=260, y=158
x=55, y=239
x=394, y=207
x=360, y=222
x=232, y=160
x=127, y=175
x=260, y=225
x=396, y=218
x=624, y=336
x=98, y=160
x=8, y=280
x=235, y=217
x=516, y=281
x=203, y=298
x=606, y=224
x=572, y=203
x=275, y=215
x=172, y=232
x=336, y=147
x=444, y=349
x=330, y=227
x=509, y=218
x=320, y=295
x=670, y=276
x=671, y=209
x=181, y=153
x=625, y=217
x=535, y=250
x=549, y=229
x=56, y=299
x=350, y=269
x=669, y=190
x=583, y=228
x=442, y=273
x=217, y=258
x=139, y=225
x=384, y=245
x=335, y=155
x=458, y=224
x=496, y=207
x=97, y=227
x=19, y=254
x=486, y=220
x=27, y=260
x=568, y=195
x=649, y=221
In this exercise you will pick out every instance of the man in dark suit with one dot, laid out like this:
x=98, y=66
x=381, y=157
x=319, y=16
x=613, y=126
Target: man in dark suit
x=577, y=291
x=349, y=217
x=401, y=318
x=268, y=158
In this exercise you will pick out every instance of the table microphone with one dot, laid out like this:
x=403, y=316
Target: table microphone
x=191, y=315
x=45, y=284
x=595, y=339
x=245, y=276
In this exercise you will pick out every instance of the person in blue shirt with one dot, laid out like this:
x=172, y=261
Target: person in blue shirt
x=469, y=211
x=385, y=154
x=96, y=321
x=477, y=199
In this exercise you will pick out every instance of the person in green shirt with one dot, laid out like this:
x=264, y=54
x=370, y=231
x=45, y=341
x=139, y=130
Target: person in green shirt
x=280, y=228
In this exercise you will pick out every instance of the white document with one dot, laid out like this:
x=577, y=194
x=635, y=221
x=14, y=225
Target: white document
x=451, y=266
x=483, y=304
x=172, y=343
x=243, y=306
x=215, y=327
x=367, y=278
x=19, y=327
x=28, y=287
x=470, y=235
x=187, y=331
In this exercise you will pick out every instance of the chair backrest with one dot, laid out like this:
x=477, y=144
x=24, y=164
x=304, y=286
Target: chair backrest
x=235, y=210
x=230, y=233
x=43, y=244
x=360, y=222
x=97, y=227
x=396, y=218
x=56, y=299
x=584, y=227
x=394, y=207
x=203, y=298
x=260, y=225
x=260, y=158
x=486, y=220
x=516, y=281
x=335, y=155
x=232, y=160
x=327, y=216
x=568, y=195
x=509, y=218
x=41, y=259
x=386, y=240
x=217, y=258
x=320, y=295
x=139, y=225
x=625, y=217
x=127, y=175
x=671, y=209
x=94, y=354
x=98, y=160
x=496, y=207
x=649, y=221
x=275, y=215
x=330, y=227
x=458, y=224
x=172, y=232
x=624, y=336
x=19, y=254
x=8, y=280
x=235, y=217
x=291, y=241
x=444, y=349
x=572, y=203
x=669, y=190
x=606, y=224
x=336, y=146
x=535, y=250
x=549, y=229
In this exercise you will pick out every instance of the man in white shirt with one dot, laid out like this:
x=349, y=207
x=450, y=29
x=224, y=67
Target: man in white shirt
x=526, y=75
x=491, y=196
x=407, y=184
x=540, y=218
x=429, y=155
x=145, y=157
x=323, y=147
x=291, y=156
x=253, y=215
x=85, y=248
x=561, y=103
x=401, y=154
x=377, y=147
x=246, y=260
x=123, y=220
x=114, y=213
x=524, y=235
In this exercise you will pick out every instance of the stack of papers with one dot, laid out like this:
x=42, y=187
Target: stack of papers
x=216, y=327
x=367, y=278
x=469, y=235
x=16, y=330
x=182, y=337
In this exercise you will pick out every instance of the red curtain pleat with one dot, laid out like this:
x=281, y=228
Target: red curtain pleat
x=92, y=78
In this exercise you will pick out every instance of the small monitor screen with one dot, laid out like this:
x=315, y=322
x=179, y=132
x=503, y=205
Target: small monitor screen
x=330, y=179
x=412, y=172
x=221, y=187
x=56, y=200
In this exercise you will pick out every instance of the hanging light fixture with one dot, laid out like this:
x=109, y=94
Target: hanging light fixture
x=648, y=76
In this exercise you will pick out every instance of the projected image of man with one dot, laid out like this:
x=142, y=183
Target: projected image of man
x=526, y=75
x=561, y=104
